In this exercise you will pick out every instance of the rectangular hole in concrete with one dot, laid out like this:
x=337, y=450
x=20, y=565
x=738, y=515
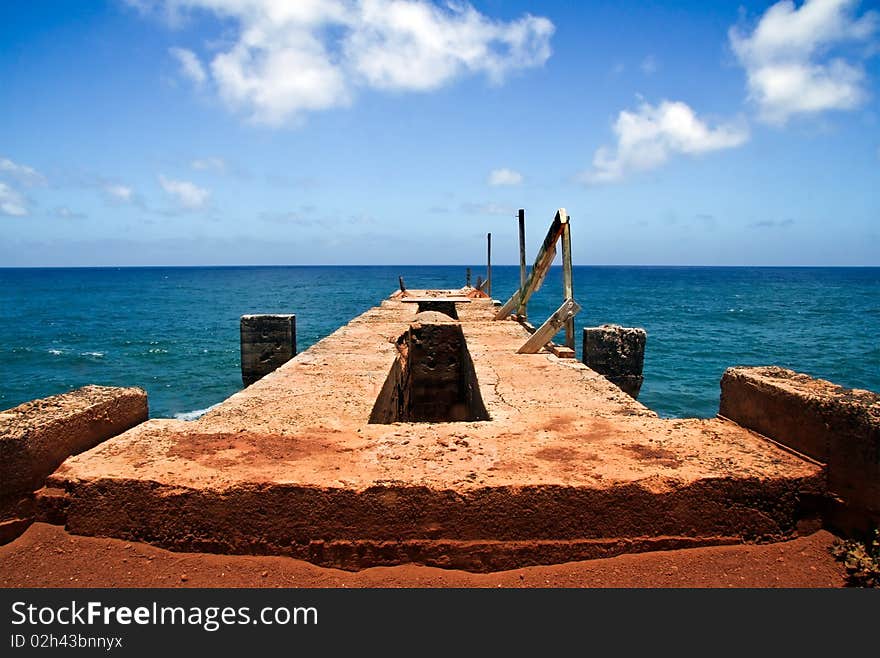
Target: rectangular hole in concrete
x=433, y=378
x=439, y=305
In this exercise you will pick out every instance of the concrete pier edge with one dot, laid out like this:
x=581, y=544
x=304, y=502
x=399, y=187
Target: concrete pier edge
x=37, y=436
x=836, y=426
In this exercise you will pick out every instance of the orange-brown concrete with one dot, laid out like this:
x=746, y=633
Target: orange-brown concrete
x=568, y=466
x=838, y=426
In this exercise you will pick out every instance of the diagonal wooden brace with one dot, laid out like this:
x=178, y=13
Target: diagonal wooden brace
x=545, y=333
x=539, y=270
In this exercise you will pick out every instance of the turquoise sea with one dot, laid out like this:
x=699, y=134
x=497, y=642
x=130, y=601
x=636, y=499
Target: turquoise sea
x=175, y=331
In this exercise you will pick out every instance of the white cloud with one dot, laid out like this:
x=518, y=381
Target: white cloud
x=190, y=65
x=66, y=213
x=505, y=176
x=291, y=58
x=188, y=195
x=119, y=192
x=399, y=44
x=648, y=137
x=11, y=202
x=209, y=164
x=21, y=173
x=788, y=58
x=649, y=65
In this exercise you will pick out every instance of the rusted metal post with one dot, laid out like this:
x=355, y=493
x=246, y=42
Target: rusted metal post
x=468, y=277
x=521, y=309
x=402, y=285
x=567, y=280
x=489, y=264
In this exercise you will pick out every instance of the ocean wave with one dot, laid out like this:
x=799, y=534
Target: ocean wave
x=94, y=355
x=193, y=415
x=56, y=352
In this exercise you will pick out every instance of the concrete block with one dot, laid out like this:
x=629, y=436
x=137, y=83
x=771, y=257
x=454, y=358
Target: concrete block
x=35, y=437
x=834, y=425
x=267, y=342
x=618, y=354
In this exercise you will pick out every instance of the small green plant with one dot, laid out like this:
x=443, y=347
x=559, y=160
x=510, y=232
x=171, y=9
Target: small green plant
x=861, y=559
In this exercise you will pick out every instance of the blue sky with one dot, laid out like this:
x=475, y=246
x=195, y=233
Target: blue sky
x=193, y=132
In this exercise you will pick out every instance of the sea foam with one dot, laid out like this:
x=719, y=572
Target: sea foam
x=193, y=415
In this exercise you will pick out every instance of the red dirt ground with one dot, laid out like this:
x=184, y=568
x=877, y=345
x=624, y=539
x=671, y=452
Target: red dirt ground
x=47, y=556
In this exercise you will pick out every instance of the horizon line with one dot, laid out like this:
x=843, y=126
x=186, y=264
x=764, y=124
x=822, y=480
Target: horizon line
x=408, y=265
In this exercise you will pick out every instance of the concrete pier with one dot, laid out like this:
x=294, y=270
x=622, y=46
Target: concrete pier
x=617, y=353
x=555, y=464
x=267, y=342
x=37, y=436
x=837, y=426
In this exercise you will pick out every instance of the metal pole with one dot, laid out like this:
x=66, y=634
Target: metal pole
x=489, y=264
x=468, y=278
x=521, y=310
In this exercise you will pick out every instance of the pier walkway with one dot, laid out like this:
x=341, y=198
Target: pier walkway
x=410, y=436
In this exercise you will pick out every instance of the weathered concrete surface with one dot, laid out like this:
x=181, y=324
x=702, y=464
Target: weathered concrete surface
x=617, y=353
x=35, y=437
x=267, y=342
x=567, y=466
x=835, y=425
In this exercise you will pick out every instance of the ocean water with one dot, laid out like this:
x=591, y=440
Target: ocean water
x=175, y=331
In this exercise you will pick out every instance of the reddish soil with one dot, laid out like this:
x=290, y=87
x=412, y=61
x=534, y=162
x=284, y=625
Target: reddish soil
x=47, y=556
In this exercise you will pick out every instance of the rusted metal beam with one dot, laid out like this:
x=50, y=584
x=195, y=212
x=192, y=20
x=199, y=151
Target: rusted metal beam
x=539, y=270
x=544, y=334
x=489, y=264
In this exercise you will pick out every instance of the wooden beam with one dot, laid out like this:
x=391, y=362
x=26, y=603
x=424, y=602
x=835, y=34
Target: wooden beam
x=546, y=254
x=567, y=281
x=561, y=351
x=521, y=310
x=550, y=328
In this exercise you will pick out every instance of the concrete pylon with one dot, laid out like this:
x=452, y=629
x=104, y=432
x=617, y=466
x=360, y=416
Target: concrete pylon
x=267, y=342
x=618, y=354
